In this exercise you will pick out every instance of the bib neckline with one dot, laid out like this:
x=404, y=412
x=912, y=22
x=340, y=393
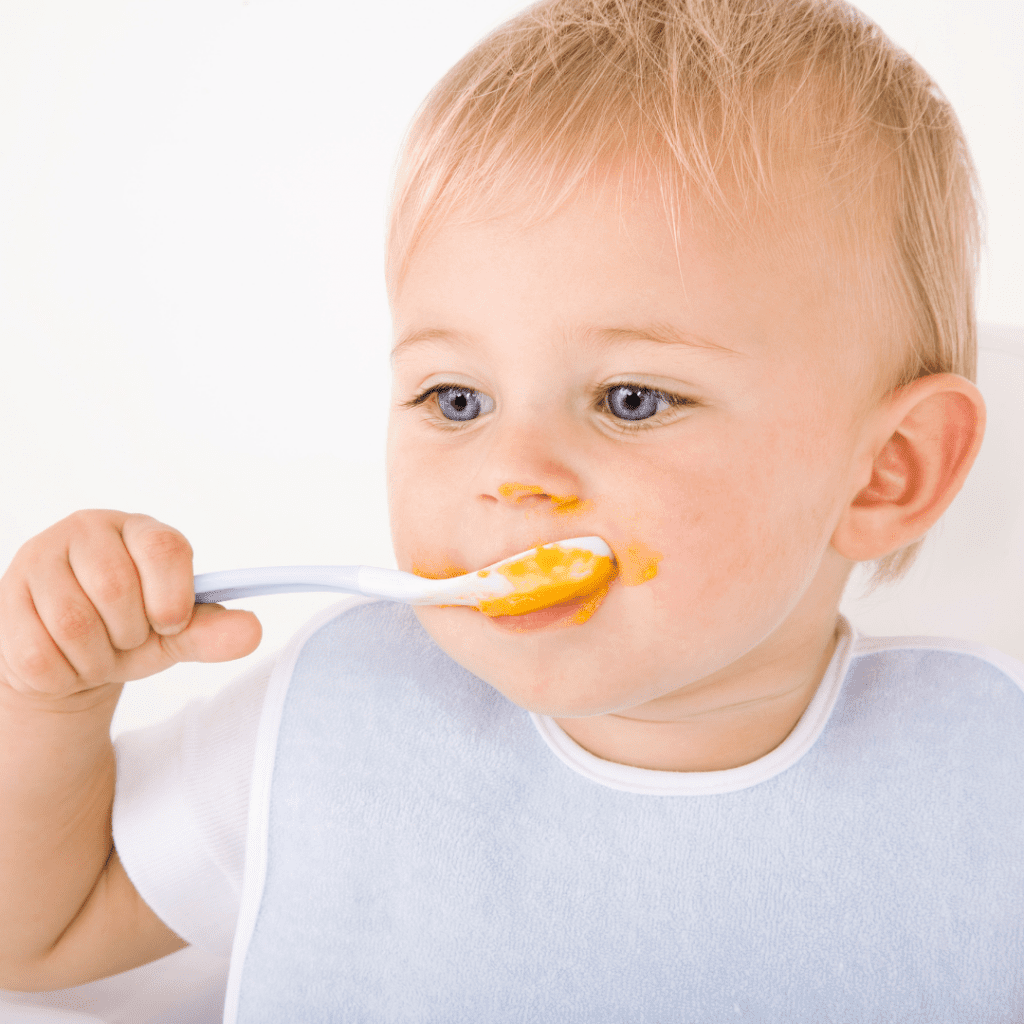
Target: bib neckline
x=647, y=781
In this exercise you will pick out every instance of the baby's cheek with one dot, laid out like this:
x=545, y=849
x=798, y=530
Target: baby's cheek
x=716, y=539
x=417, y=528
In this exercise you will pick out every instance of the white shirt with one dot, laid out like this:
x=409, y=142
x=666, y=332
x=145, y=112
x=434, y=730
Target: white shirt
x=181, y=807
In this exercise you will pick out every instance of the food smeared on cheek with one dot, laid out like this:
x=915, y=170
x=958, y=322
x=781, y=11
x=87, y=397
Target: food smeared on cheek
x=639, y=565
x=562, y=504
x=548, y=576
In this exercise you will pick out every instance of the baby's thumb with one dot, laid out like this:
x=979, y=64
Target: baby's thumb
x=215, y=633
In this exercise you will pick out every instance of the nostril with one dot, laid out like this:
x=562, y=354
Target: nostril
x=561, y=504
x=516, y=492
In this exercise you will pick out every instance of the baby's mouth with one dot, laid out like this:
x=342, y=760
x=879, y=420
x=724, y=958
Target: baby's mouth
x=554, y=576
x=570, y=576
x=573, y=612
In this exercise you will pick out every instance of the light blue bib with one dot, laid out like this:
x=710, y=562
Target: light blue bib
x=423, y=856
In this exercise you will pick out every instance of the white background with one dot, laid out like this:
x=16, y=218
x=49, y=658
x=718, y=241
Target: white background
x=192, y=198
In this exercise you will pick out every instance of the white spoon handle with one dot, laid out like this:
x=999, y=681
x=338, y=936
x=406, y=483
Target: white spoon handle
x=214, y=587
x=367, y=580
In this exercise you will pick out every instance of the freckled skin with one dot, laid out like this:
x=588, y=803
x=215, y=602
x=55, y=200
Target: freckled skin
x=720, y=511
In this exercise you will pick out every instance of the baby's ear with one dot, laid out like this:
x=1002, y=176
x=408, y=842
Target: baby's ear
x=921, y=445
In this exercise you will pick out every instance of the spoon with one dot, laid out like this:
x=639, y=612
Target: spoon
x=529, y=581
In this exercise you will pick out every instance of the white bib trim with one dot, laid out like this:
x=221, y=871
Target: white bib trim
x=665, y=783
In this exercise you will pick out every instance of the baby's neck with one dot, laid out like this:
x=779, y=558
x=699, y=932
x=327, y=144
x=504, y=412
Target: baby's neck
x=747, y=722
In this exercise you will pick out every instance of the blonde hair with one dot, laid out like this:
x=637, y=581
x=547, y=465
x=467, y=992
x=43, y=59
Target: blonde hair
x=717, y=97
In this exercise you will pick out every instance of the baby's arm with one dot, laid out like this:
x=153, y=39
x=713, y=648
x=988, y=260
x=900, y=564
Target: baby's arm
x=100, y=598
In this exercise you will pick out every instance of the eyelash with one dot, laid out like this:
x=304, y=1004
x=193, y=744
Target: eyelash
x=600, y=402
x=421, y=398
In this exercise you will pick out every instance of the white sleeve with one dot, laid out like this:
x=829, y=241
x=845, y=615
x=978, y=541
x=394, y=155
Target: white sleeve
x=181, y=805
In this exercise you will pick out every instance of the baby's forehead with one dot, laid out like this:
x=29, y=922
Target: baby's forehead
x=836, y=230
x=603, y=271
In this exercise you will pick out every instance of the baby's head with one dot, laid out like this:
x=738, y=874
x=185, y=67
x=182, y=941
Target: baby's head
x=702, y=267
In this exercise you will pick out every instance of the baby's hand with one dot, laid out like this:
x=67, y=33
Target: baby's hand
x=106, y=597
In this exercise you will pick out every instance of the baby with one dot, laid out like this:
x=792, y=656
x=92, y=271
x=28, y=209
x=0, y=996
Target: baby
x=696, y=277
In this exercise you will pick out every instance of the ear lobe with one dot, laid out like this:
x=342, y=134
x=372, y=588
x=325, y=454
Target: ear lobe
x=925, y=444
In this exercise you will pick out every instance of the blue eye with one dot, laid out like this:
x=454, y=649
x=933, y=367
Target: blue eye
x=462, y=403
x=628, y=402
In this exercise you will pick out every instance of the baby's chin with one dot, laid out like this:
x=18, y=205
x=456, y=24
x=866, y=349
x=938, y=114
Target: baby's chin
x=548, y=664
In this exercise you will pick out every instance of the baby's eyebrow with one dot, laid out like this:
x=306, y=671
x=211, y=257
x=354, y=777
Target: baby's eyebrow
x=427, y=334
x=661, y=332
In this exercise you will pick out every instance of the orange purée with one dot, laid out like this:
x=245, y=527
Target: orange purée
x=639, y=565
x=548, y=576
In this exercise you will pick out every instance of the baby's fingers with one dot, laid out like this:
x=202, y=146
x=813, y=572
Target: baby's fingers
x=105, y=572
x=52, y=640
x=59, y=648
x=163, y=559
x=215, y=633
